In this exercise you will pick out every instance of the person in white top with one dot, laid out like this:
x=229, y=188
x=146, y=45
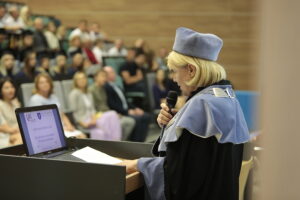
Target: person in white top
x=99, y=51
x=81, y=30
x=13, y=21
x=52, y=39
x=118, y=49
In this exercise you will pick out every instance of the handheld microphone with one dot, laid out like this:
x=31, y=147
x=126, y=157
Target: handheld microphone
x=171, y=102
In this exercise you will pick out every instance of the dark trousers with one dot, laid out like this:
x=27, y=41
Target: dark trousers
x=141, y=128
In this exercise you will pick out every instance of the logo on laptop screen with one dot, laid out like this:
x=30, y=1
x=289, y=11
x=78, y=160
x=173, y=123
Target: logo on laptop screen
x=39, y=116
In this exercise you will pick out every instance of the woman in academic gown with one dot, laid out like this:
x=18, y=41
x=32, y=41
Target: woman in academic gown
x=203, y=142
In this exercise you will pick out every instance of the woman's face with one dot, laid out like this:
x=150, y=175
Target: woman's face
x=8, y=91
x=8, y=61
x=43, y=85
x=181, y=76
x=81, y=81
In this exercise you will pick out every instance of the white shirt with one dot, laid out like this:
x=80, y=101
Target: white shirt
x=115, y=52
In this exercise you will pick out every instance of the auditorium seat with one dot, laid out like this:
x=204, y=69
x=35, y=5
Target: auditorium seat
x=67, y=86
x=114, y=62
x=27, y=91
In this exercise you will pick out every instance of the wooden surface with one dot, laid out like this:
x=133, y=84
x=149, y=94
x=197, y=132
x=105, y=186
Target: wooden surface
x=133, y=182
x=157, y=20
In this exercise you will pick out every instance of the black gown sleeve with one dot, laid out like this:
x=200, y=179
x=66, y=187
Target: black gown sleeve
x=202, y=168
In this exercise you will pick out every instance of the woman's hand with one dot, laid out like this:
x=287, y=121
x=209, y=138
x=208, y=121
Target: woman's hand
x=164, y=116
x=131, y=165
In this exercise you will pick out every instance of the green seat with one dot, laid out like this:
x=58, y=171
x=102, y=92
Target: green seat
x=115, y=62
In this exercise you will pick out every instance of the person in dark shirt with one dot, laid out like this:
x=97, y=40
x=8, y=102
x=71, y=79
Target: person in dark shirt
x=116, y=100
x=40, y=43
x=29, y=72
x=77, y=63
x=134, y=79
x=27, y=44
x=60, y=71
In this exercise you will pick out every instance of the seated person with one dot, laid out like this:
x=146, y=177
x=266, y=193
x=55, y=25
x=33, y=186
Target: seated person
x=98, y=51
x=60, y=70
x=100, y=99
x=118, y=49
x=116, y=101
x=7, y=65
x=134, y=79
x=13, y=22
x=159, y=88
x=39, y=39
x=44, y=96
x=28, y=73
x=87, y=46
x=76, y=63
x=51, y=37
x=10, y=134
x=44, y=63
x=74, y=45
x=103, y=126
x=27, y=41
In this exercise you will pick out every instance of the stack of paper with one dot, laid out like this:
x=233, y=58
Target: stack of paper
x=89, y=154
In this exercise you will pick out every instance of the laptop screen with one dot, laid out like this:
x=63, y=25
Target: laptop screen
x=42, y=130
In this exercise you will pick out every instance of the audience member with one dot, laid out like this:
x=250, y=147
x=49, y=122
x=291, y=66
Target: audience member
x=118, y=49
x=60, y=71
x=87, y=46
x=76, y=64
x=27, y=44
x=96, y=33
x=104, y=126
x=28, y=73
x=40, y=42
x=159, y=88
x=81, y=30
x=44, y=96
x=13, y=21
x=99, y=51
x=10, y=133
x=25, y=15
x=131, y=52
x=7, y=65
x=51, y=37
x=100, y=99
x=44, y=63
x=61, y=36
x=89, y=68
x=117, y=101
x=133, y=78
x=75, y=45
x=161, y=59
x=3, y=16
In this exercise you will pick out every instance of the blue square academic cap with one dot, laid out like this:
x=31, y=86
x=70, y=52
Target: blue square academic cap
x=191, y=43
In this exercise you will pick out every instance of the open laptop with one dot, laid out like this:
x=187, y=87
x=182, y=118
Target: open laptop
x=42, y=132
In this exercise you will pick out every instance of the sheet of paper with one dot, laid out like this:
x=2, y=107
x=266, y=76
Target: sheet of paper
x=89, y=154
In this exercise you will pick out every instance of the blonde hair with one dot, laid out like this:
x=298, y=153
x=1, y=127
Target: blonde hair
x=207, y=72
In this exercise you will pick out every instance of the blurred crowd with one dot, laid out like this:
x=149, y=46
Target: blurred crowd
x=110, y=78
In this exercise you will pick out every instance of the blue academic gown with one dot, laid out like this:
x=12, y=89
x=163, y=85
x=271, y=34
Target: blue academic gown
x=203, y=148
